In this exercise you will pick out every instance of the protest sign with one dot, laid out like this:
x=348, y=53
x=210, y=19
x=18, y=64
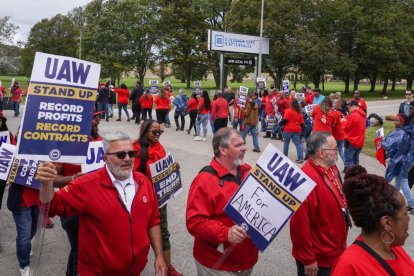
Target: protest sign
x=6, y=159
x=271, y=193
x=300, y=96
x=285, y=87
x=23, y=172
x=379, y=133
x=197, y=83
x=168, y=84
x=94, y=159
x=309, y=108
x=59, y=105
x=242, y=97
x=166, y=178
x=153, y=87
x=4, y=137
x=260, y=83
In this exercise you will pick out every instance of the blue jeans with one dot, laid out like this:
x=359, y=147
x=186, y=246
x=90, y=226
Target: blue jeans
x=253, y=131
x=239, y=123
x=340, y=145
x=351, y=156
x=26, y=225
x=103, y=107
x=167, y=118
x=401, y=182
x=202, y=119
x=110, y=109
x=16, y=106
x=295, y=136
x=125, y=108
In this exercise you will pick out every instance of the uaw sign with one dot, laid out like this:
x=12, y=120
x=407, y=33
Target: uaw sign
x=238, y=43
x=271, y=193
x=239, y=61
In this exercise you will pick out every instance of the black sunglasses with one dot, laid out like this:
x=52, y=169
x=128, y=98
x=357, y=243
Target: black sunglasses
x=155, y=132
x=408, y=94
x=122, y=154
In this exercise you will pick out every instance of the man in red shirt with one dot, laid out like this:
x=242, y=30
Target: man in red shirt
x=118, y=212
x=214, y=232
x=319, y=228
x=219, y=111
x=354, y=130
x=362, y=104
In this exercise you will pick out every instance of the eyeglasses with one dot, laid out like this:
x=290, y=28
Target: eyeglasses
x=157, y=132
x=408, y=94
x=336, y=149
x=122, y=154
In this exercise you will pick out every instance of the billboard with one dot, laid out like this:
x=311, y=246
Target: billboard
x=237, y=43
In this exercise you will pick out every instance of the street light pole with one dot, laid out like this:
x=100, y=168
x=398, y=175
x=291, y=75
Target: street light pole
x=259, y=66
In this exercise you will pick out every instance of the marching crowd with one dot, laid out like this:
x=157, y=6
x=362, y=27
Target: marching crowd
x=112, y=218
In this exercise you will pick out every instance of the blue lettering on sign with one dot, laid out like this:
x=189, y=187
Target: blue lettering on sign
x=164, y=164
x=95, y=159
x=6, y=157
x=3, y=139
x=68, y=70
x=284, y=171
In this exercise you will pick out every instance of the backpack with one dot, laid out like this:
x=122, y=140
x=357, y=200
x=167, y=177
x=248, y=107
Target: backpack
x=227, y=177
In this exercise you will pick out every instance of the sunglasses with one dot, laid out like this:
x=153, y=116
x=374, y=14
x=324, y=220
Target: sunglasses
x=157, y=132
x=408, y=94
x=122, y=154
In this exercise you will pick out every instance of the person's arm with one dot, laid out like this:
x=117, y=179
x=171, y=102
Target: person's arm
x=156, y=244
x=46, y=174
x=60, y=180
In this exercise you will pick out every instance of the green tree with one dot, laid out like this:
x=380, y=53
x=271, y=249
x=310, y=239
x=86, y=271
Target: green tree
x=185, y=34
x=55, y=36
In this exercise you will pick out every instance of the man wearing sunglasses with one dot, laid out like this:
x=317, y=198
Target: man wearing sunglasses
x=118, y=212
x=405, y=106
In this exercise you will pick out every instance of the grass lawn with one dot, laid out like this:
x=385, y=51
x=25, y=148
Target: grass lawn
x=210, y=85
x=369, y=148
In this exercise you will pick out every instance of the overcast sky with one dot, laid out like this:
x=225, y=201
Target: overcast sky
x=26, y=13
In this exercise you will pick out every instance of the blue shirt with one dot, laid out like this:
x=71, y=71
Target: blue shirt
x=318, y=100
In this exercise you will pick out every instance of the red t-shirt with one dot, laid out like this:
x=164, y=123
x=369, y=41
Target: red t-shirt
x=203, y=109
x=357, y=261
x=162, y=103
x=295, y=119
x=123, y=95
x=146, y=103
x=321, y=121
x=337, y=128
x=192, y=104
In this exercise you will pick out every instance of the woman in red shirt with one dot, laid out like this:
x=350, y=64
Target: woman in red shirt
x=146, y=101
x=162, y=106
x=203, y=116
x=381, y=212
x=293, y=122
x=149, y=151
x=16, y=93
x=192, y=106
x=123, y=100
x=322, y=116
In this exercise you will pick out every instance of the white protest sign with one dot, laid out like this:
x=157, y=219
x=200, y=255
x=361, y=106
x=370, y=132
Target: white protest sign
x=261, y=83
x=197, y=83
x=242, y=98
x=4, y=137
x=95, y=159
x=300, y=96
x=309, y=108
x=6, y=159
x=153, y=87
x=166, y=179
x=270, y=194
x=286, y=86
x=379, y=133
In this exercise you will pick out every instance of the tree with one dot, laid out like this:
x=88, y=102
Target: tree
x=7, y=30
x=161, y=70
x=55, y=36
x=185, y=34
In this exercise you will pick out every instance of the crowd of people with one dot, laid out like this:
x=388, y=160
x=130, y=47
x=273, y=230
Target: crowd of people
x=322, y=128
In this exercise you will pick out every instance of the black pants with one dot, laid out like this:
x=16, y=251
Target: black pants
x=71, y=226
x=193, y=117
x=146, y=111
x=136, y=112
x=323, y=271
x=182, y=122
x=161, y=115
x=219, y=123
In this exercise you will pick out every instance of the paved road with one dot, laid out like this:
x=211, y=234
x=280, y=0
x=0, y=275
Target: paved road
x=276, y=260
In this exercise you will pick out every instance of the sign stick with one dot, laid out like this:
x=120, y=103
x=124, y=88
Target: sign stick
x=224, y=257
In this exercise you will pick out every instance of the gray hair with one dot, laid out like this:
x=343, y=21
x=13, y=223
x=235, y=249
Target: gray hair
x=114, y=136
x=315, y=142
x=222, y=139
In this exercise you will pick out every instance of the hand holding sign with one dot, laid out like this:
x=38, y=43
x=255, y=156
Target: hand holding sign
x=236, y=234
